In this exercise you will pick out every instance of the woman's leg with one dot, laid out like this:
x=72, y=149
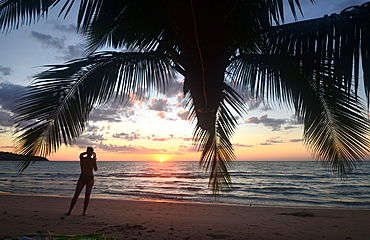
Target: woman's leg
x=89, y=186
x=80, y=185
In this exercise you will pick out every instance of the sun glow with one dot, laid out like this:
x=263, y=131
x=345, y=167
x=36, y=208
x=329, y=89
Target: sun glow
x=162, y=159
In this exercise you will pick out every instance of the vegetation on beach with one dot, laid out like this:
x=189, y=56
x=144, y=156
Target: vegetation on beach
x=6, y=156
x=316, y=67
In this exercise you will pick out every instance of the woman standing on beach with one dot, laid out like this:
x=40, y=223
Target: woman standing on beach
x=87, y=164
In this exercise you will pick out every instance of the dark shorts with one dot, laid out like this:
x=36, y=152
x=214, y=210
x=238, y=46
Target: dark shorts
x=86, y=179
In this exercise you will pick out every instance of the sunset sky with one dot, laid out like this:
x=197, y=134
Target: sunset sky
x=150, y=129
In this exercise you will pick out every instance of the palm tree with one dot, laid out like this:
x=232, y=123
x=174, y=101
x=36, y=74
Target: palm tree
x=312, y=66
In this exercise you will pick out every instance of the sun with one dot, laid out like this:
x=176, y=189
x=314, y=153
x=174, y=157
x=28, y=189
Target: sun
x=162, y=159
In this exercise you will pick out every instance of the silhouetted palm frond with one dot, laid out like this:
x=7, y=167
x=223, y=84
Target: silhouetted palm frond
x=57, y=104
x=124, y=24
x=336, y=129
x=217, y=150
x=336, y=43
x=15, y=13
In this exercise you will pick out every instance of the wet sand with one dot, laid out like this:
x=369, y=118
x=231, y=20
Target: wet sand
x=139, y=219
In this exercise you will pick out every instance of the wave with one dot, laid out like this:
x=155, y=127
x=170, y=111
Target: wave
x=257, y=183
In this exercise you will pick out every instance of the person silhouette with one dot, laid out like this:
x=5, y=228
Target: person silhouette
x=87, y=164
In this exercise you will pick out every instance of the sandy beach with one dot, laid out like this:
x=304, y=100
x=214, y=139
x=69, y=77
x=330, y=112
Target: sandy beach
x=131, y=219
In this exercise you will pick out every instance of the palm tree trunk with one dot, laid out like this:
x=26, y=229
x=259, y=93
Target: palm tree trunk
x=203, y=31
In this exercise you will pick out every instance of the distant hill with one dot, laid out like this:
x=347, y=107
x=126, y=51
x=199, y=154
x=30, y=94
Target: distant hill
x=6, y=156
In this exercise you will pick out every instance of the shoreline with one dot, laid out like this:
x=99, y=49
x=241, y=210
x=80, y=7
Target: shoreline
x=151, y=219
x=187, y=202
x=293, y=185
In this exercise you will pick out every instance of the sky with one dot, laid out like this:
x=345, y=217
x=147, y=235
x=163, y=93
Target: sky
x=150, y=129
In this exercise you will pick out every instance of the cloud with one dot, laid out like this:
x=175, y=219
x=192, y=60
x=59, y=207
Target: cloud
x=293, y=122
x=89, y=140
x=156, y=139
x=174, y=89
x=265, y=107
x=71, y=28
x=92, y=128
x=183, y=115
x=182, y=101
x=96, y=141
x=136, y=136
x=289, y=127
x=5, y=147
x=183, y=149
x=160, y=139
x=274, y=124
x=161, y=114
x=129, y=149
x=69, y=51
x=8, y=94
x=5, y=71
x=295, y=140
x=242, y=145
x=94, y=137
x=108, y=115
x=271, y=141
x=187, y=139
x=48, y=40
x=72, y=52
x=159, y=105
x=140, y=94
x=254, y=104
x=265, y=144
x=5, y=119
x=127, y=136
x=83, y=142
x=112, y=112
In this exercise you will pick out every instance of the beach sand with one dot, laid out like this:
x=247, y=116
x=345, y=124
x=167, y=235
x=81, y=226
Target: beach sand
x=132, y=219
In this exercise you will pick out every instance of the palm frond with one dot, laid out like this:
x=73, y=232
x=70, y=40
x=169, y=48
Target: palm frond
x=338, y=132
x=15, y=13
x=56, y=106
x=217, y=150
x=335, y=126
x=275, y=8
x=339, y=42
x=123, y=24
x=315, y=65
x=254, y=17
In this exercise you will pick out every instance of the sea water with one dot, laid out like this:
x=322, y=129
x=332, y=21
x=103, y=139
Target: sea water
x=261, y=183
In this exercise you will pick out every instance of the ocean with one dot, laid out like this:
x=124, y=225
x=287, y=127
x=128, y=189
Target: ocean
x=256, y=183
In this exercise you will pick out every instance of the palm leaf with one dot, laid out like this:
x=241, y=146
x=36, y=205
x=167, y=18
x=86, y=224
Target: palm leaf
x=217, y=150
x=57, y=104
x=339, y=42
x=335, y=126
x=253, y=18
x=337, y=133
x=15, y=13
x=124, y=24
x=315, y=66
